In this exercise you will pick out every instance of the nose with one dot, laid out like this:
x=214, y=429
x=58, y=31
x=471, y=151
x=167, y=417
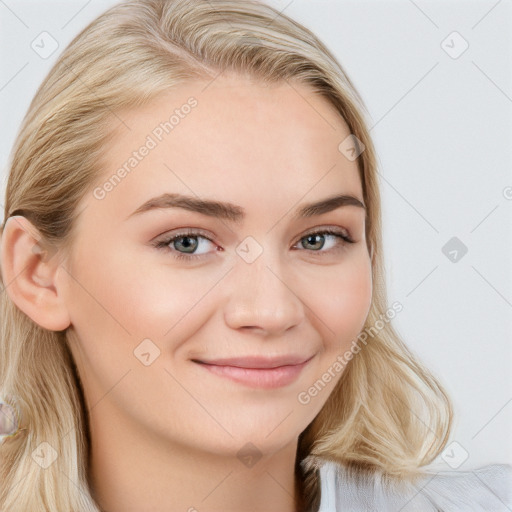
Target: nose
x=262, y=298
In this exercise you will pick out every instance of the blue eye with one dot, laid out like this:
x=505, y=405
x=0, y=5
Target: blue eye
x=187, y=241
x=190, y=241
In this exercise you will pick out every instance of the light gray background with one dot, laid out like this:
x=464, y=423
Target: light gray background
x=442, y=128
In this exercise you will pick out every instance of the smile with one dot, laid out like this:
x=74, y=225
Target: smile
x=265, y=378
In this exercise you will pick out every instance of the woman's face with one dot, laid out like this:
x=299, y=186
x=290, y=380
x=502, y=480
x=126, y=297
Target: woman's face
x=241, y=280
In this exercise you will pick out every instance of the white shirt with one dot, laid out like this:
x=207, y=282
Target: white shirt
x=488, y=488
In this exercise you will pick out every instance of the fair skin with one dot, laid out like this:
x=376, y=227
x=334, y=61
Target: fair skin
x=165, y=436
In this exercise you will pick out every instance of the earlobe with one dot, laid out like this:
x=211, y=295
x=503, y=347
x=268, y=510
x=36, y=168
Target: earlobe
x=29, y=272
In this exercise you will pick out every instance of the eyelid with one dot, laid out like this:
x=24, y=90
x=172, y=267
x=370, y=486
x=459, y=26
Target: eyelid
x=329, y=229
x=175, y=233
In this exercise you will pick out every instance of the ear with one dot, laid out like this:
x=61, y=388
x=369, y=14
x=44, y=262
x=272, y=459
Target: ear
x=29, y=274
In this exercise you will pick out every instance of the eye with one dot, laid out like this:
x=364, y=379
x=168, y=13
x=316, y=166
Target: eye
x=194, y=244
x=337, y=240
x=187, y=241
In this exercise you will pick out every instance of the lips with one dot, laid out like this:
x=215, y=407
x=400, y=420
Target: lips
x=257, y=362
x=257, y=371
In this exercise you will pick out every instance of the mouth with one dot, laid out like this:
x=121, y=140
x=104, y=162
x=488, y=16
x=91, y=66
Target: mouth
x=257, y=371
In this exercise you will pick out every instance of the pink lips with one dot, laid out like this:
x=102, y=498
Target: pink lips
x=257, y=371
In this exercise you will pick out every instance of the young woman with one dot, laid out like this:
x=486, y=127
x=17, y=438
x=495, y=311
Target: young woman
x=195, y=315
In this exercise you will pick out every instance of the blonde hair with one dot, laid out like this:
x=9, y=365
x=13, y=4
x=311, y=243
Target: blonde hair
x=386, y=413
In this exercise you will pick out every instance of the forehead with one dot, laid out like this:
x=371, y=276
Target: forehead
x=232, y=139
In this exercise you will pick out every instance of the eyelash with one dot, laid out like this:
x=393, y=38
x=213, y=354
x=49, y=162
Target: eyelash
x=164, y=244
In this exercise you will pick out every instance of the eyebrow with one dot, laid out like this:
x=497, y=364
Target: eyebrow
x=234, y=213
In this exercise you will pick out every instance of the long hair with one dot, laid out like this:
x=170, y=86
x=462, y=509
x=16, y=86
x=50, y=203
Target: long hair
x=387, y=412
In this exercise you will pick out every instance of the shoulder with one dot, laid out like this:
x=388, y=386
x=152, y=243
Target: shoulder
x=488, y=488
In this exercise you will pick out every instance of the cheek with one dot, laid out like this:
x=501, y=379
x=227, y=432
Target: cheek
x=121, y=287
x=342, y=302
x=115, y=304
